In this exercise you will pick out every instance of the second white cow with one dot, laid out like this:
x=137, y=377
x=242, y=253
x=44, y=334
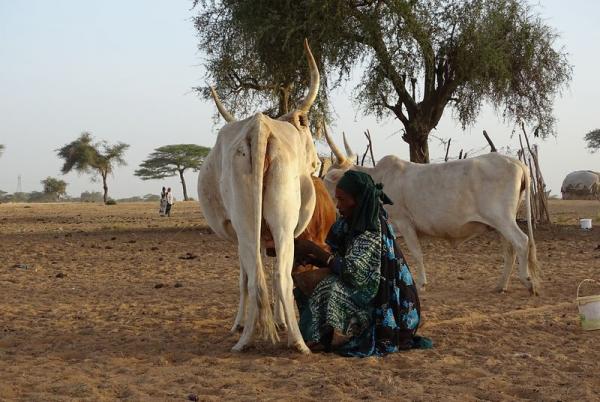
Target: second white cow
x=456, y=201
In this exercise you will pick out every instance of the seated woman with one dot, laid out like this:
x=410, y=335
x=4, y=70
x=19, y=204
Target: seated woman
x=368, y=304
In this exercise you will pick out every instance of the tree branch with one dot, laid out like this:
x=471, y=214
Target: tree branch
x=390, y=72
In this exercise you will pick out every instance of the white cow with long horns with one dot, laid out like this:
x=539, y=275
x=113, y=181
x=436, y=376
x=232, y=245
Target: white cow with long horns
x=257, y=178
x=455, y=200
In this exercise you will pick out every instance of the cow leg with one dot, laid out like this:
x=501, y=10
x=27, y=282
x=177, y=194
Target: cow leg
x=520, y=244
x=284, y=286
x=282, y=223
x=246, y=256
x=279, y=312
x=509, y=263
x=414, y=247
x=238, y=324
x=277, y=303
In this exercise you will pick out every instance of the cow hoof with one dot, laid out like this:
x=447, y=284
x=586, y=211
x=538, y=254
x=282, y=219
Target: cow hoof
x=239, y=347
x=302, y=348
x=501, y=289
x=280, y=326
x=533, y=292
x=237, y=328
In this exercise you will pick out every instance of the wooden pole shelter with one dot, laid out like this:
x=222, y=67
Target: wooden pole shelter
x=368, y=135
x=492, y=146
x=362, y=160
x=539, y=198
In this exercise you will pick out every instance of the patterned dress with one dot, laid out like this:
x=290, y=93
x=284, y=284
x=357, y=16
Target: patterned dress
x=370, y=298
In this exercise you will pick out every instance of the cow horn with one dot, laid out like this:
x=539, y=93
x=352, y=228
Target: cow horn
x=341, y=158
x=349, y=151
x=226, y=115
x=314, y=81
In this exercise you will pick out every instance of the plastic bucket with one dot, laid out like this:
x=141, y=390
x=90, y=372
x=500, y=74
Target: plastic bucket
x=589, y=309
x=585, y=223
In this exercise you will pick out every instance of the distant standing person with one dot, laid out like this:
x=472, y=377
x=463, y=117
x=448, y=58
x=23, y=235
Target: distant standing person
x=163, y=202
x=170, y=201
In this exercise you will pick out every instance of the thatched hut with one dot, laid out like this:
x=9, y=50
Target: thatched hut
x=581, y=185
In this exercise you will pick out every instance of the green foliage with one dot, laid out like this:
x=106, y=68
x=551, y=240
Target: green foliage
x=255, y=54
x=110, y=201
x=418, y=56
x=593, y=140
x=85, y=156
x=170, y=160
x=55, y=188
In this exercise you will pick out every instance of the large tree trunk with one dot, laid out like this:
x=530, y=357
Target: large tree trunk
x=105, y=187
x=417, y=141
x=185, y=196
x=284, y=99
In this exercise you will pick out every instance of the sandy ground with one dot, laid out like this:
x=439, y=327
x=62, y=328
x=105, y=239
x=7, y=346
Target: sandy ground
x=113, y=302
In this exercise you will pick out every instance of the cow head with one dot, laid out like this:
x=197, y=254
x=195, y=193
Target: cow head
x=340, y=165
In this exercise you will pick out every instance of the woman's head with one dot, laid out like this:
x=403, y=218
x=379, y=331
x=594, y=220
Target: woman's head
x=358, y=200
x=345, y=202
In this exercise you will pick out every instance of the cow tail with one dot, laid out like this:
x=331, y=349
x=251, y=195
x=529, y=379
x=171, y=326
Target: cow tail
x=532, y=252
x=265, y=324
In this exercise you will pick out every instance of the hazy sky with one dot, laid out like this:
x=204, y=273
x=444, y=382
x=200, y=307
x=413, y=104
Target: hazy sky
x=123, y=71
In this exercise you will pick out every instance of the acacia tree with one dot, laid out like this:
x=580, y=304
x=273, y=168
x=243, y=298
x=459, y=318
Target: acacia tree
x=54, y=188
x=1, y=149
x=419, y=57
x=593, y=140
x=85, y=156
x=170, y=160
x=255, y=57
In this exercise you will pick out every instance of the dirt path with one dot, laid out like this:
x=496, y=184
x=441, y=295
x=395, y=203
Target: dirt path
x=114, y=302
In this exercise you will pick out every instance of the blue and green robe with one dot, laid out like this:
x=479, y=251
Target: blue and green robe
x=370, y=297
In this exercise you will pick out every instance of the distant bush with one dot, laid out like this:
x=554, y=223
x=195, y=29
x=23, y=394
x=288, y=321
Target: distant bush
x=137, y=198
x=34, y=196
x=110, y=201
x=91, y=196
x=131, y=199
x=151, y=198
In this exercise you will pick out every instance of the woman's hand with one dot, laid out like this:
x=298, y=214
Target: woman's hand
x=307, y=252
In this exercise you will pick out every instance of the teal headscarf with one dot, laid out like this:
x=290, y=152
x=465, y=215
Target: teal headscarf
x=369, y=198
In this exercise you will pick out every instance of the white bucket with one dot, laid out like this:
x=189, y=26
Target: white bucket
x=589, y=309
x=585, y=224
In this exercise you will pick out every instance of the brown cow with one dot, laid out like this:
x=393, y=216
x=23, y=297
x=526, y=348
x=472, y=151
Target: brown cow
x=323, y=217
